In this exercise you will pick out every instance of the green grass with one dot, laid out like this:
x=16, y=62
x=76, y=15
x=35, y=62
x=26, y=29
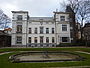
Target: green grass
x=5, y=63
x=45, y=49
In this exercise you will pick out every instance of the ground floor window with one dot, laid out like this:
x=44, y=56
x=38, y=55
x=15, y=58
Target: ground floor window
x=52, y=39
x=47, y=39
x=65, y=39
x=41, y=39
x=29, y=40
x=35, y=39
x=19, y=39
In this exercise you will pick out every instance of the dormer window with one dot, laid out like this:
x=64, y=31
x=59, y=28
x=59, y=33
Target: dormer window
x=19, y=17
x=62, y=18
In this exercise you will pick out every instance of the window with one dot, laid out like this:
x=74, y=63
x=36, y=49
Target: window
x=64, y=27
x=52, y=39
x=19, y=17
x=30, y=31
x=47, y=30
x=52, y=30
x=41, y=30
x=41, y=39
x=62, y=18
x=29, y=40
x=19, y=39
x=47, y=39
x=64, y=39
x=19, y=29
x=35, y=39
x=35, y=30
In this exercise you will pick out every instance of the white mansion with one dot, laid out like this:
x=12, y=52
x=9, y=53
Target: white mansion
x=40, y=31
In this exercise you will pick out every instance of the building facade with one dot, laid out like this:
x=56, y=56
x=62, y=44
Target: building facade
x=40, y=31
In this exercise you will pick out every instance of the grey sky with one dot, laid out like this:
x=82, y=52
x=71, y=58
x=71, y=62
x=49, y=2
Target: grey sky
x=35, y=7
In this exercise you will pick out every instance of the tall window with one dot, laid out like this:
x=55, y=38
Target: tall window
x=47, y=30
x=64, y=39
x=41, y=30
x=29, y=40
x=19, y=39
x=19, y=17
x=64, y=27
x=41, y=39
x=47, y=39
x=30, y=30
x=35, y=40
x=19, y=29
x=62, y=18
x=52, y=30
x=35, y=30
x=53, y=40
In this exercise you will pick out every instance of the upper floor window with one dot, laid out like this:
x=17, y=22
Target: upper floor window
x=30, y=31
x=35, y=30
x=64, y=27
x=19, y=29
x=47, y=30
x=29, y=40
x=52, y=30
x=19, y=17
x=19, y=39
x=62, y=18
x=41, y=30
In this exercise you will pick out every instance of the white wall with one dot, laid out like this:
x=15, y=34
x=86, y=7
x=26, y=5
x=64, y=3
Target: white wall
x=37, y=25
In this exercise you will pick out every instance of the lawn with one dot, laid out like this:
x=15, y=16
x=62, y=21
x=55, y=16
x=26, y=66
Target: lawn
x=5, y=63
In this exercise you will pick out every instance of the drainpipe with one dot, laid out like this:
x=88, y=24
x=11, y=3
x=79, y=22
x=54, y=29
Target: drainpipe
x=55, y=28
x=26, y=30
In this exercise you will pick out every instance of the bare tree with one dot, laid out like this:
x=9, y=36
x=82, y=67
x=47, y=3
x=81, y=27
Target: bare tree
x=83, y=13
x=81, y=9
x=4, y=20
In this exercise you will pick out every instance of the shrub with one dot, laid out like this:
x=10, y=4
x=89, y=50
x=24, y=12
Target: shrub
x=69, y=44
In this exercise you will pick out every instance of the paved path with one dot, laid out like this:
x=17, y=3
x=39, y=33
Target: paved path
x=70, y=67
x=83, y=52
x=4, y=53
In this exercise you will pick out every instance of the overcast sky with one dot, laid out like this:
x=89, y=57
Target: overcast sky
x=34, y=7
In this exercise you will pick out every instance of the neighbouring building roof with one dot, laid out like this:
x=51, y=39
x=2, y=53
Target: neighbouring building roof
x=87, y=25
x=7, y=29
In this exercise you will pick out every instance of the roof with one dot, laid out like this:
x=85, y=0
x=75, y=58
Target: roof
x=87, y=25
x=62, y=12
x=41, y=19
x=19, y=11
